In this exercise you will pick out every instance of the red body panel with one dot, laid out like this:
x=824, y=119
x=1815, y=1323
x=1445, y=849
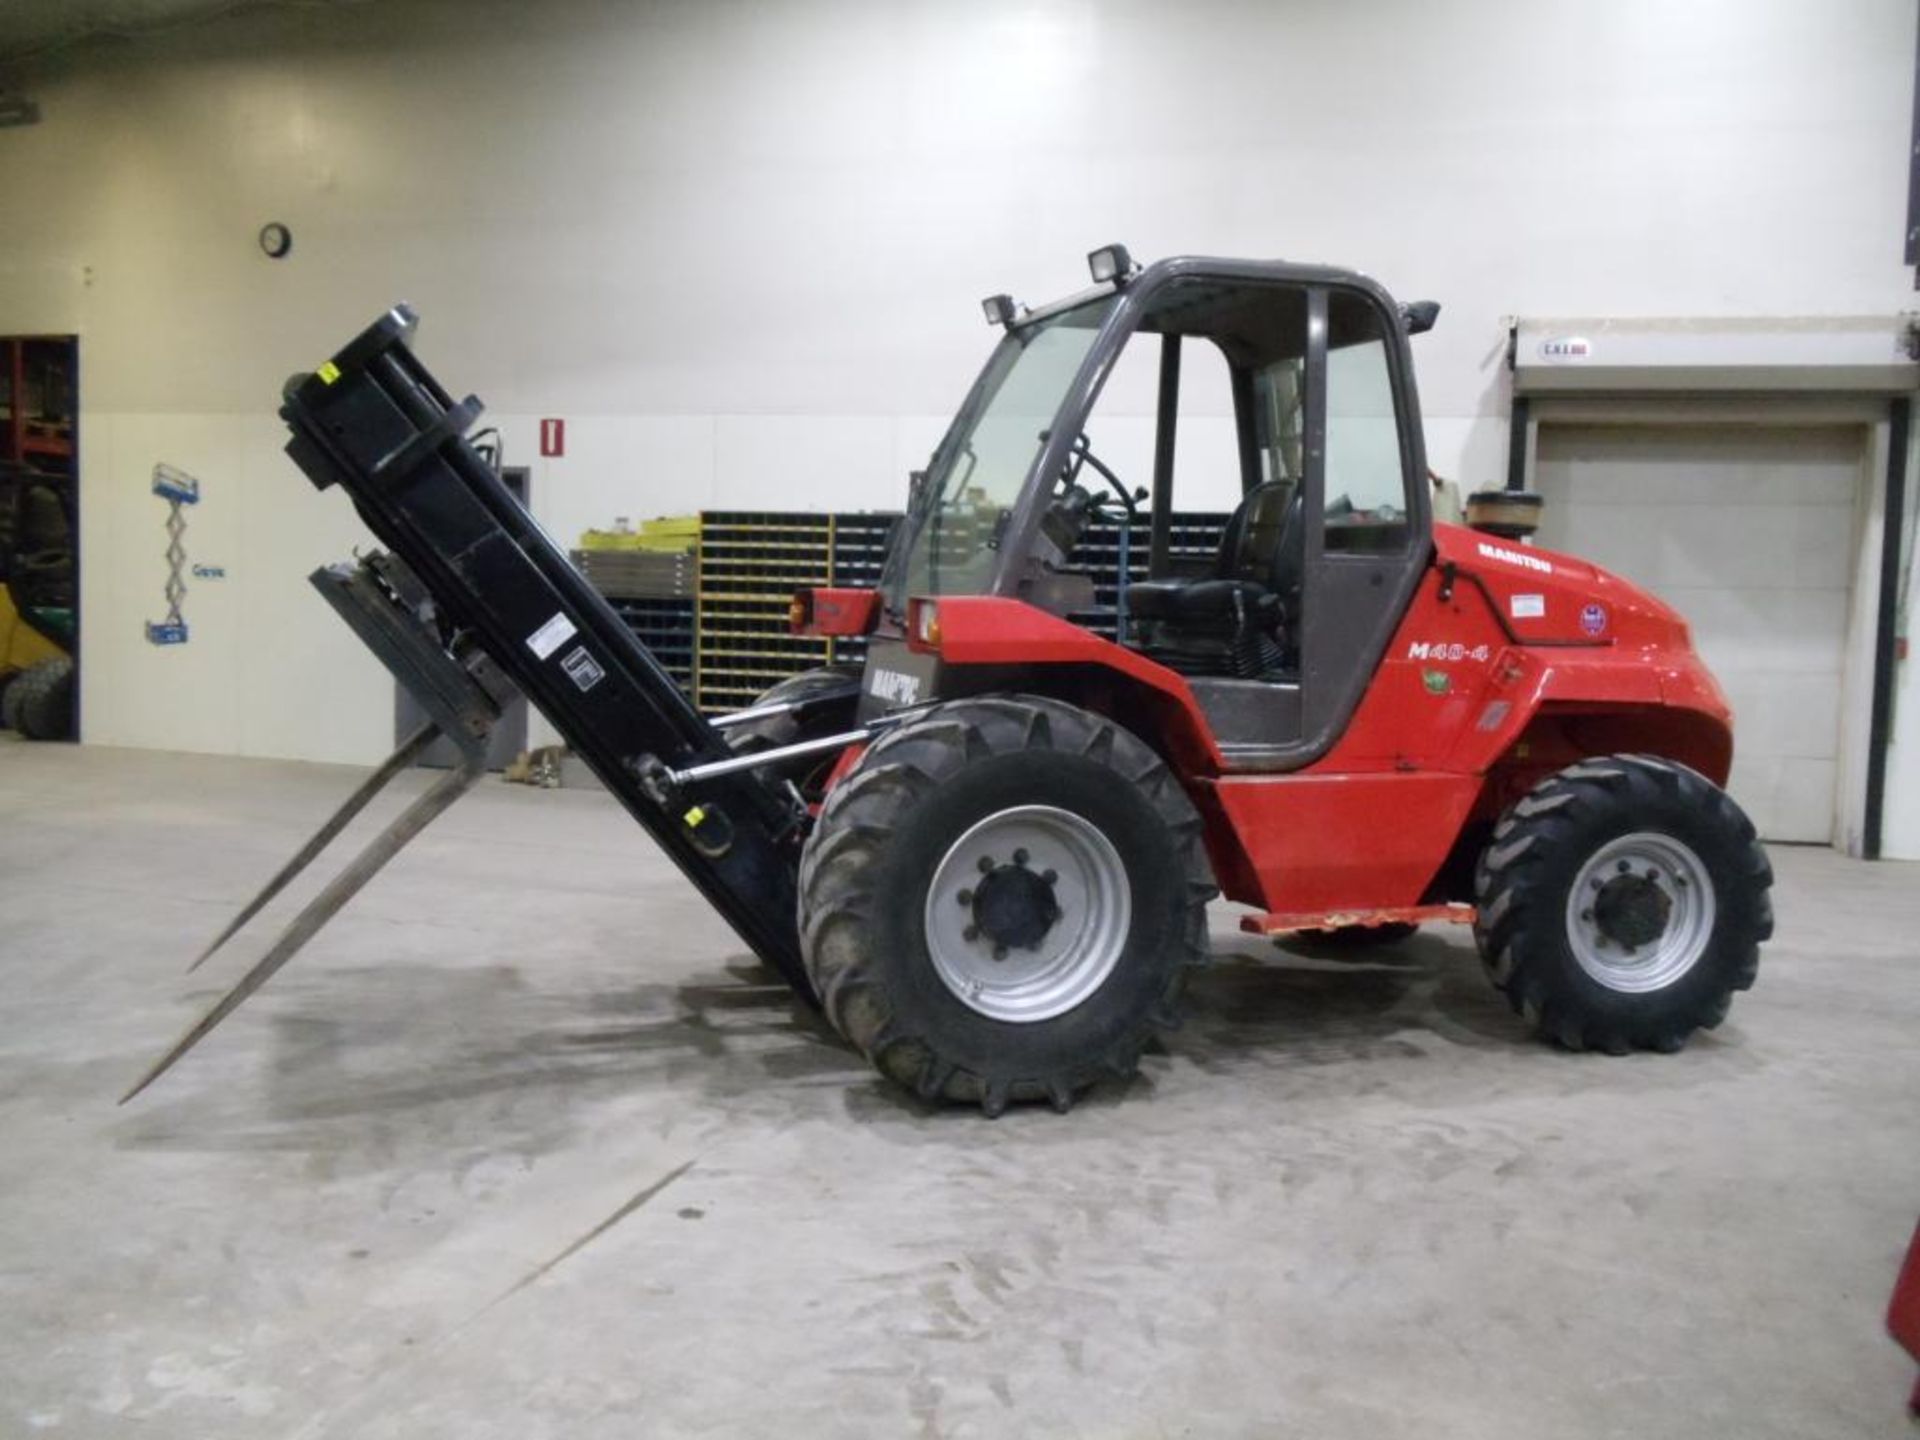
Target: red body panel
x=1464, y=677
x=1463, y=684
x=987, y=630
x=834, y=610
x=1903, y=1315
x=1324, y=841
x=1511, y=661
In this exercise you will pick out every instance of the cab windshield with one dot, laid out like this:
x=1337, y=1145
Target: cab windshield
x=962, y=512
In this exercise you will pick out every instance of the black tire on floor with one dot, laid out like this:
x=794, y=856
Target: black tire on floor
x=778, y=730
x=41, y=700
x=892, y=828
x=1619, y=829
x=6, y=711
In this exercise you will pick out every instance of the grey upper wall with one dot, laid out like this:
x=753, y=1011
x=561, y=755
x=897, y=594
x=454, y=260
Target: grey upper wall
x=791, y=207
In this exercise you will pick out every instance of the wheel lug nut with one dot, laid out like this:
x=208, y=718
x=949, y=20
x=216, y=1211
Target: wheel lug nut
x=1623, y=867
x=986, y=864
x=1019, y=857
x=1652, y=874
x=972, y=932
x=1587, y=915
x=1048, y=877
x=965, y=897
x=999, y=952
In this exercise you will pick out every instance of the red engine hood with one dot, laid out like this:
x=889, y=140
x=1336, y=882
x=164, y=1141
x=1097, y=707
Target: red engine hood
x=1546, y=597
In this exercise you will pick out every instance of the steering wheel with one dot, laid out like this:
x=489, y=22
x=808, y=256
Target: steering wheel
x=1084, y=458
x=1075, y=507
x=1067, y=516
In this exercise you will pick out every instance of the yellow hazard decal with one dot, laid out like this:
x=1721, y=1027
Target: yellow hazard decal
x=328, y=373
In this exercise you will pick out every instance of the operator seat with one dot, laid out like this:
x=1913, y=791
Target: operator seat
x=1238, y=619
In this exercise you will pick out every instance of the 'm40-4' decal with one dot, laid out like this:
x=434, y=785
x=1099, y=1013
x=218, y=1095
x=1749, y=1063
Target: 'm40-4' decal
x=1449, y=650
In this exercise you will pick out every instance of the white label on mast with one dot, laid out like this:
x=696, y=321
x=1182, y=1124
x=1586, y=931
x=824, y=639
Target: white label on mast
x=551, y=636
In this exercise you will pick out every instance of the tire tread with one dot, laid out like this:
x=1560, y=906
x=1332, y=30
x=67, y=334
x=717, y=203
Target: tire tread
x=1517, y=921
x=868, y=809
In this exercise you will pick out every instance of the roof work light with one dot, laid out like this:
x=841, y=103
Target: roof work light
x=1110, y=262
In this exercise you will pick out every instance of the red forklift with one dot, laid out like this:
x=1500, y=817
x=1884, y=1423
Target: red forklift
x=988, y=854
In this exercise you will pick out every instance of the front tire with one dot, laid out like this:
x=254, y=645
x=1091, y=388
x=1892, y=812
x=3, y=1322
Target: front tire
x=1000, y=901
x=1622, y=902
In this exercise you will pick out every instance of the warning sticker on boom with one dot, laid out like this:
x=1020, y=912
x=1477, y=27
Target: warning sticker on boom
x=551, y=636
x=582, y=668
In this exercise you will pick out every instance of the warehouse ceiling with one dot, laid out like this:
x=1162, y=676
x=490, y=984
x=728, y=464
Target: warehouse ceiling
x=37, y=27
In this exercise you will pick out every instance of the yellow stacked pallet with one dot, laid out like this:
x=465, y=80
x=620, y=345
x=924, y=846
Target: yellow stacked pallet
x=664, y=535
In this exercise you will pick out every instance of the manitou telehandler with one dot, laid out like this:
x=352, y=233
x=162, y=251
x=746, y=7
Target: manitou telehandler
x=988, y=854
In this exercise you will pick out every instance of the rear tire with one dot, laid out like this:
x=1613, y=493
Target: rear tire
x=1000, y=901
x=1622, y=902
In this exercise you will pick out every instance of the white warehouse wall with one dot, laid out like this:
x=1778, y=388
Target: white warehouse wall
x=737, y=246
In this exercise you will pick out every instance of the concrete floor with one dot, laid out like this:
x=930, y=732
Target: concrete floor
x=524, y=1146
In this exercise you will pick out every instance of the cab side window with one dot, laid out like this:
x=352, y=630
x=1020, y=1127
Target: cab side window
x=1366, y=480
x=1279, y=420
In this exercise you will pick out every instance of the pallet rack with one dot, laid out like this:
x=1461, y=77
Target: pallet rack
x=666, y=627
x=751, y=562
x=654, y=599
x=729, y=641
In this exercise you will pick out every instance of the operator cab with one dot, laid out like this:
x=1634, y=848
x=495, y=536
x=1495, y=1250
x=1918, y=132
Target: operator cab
x=1237, y=442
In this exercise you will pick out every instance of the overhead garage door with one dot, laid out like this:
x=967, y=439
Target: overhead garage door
x=1748, y=532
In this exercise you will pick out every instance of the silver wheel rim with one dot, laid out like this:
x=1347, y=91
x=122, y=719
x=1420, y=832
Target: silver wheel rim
x=1660, y=874
x=1080, y=948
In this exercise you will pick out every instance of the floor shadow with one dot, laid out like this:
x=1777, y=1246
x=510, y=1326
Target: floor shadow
x=383, y=1058
x=1259, y=1004
x=1325, y=1007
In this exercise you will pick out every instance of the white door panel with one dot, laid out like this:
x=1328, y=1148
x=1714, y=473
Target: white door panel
x=1748, y=532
